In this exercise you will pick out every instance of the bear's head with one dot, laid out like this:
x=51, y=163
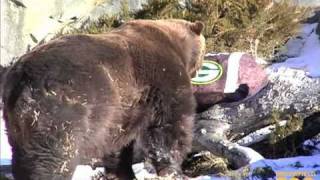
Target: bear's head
x=188, y=36
x=185, y=36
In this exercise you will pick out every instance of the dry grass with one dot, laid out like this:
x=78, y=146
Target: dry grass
x=206, y=163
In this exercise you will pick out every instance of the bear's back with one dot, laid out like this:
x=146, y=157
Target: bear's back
x=85, y=78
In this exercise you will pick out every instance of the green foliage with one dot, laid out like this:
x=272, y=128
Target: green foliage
x=259, y=27
x=294, y=124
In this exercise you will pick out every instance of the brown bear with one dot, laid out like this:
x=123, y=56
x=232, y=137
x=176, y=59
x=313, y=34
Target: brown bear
x=80, y=99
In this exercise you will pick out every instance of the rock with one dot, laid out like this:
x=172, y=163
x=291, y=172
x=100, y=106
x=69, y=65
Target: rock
x=43, y=19
x=313, y=3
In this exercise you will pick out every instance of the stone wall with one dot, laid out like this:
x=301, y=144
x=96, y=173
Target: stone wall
x=26, y=22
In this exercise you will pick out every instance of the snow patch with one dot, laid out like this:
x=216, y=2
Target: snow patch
x=285, y=166
x=309, y=59
x=141, y=172
x=305, y=163
x=250, y=153
x=5, y=148
x=85, y=172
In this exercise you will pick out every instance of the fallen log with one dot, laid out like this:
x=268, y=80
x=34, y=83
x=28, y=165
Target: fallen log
x=290, y=92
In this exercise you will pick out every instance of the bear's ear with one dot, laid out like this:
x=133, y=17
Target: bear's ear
x=197, y=27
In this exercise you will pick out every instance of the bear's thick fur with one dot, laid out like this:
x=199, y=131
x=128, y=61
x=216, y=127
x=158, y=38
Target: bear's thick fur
x=80, y=99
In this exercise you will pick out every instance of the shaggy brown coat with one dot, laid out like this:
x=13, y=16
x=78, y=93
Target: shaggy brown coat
x=81, y=99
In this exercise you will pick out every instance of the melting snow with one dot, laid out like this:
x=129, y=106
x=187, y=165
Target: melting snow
x=309, y=58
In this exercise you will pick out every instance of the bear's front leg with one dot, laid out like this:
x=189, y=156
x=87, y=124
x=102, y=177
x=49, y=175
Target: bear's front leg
x=169, y=138
x=118, y=165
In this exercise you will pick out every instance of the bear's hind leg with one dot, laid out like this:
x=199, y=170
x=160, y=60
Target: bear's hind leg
x=35, y=161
